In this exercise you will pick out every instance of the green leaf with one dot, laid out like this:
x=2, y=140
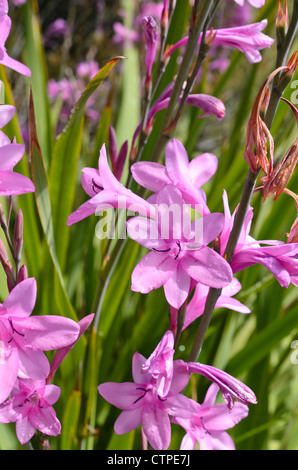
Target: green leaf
x=63, y=172
x=44, y=205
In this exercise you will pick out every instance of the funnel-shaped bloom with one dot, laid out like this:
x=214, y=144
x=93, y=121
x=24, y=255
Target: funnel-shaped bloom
x=187, y=176
x=5, y=59
x=229, y=386
x=179, y=250
x=160, y=364
x=23, y=338
x=141, y=401
x=30, y=406
x=107, y=192
x=248, y=39
x=208, y=425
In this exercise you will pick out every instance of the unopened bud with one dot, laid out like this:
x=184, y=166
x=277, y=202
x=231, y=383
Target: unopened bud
x=4, y=259
x=121, y=158
x=18, y=236
x=113, y=146
x=22, y=274
x=282, y=22
x=287, y=75
x=150, y=34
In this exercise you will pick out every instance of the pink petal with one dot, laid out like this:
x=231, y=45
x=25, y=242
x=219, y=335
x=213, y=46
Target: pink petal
x=61, y=353
x=173, y=214
x=15, y=65
x=202, y=168
x=33, y=364
x=6, y=114
x=51, y=394
x=9, y=364
x=181, y=406
x=207, y=228
x=156, y=426
x=122, y=395
x=217, y=441
x=128, y=420
x=177, y=163
x=145, y=232
x=139, y=376
x=10, y=155
x=88, y=178
x=48, y=332
x=21, y=300
x=102, y=201
x=24, y=430
x=13, y=183
x=232, y=304
x=177, y=288
x=207, y=267
x=219, y=418
x=150, y=175
x=180, y=378
x=5, y=25
x=152, y=272
x=46, y=421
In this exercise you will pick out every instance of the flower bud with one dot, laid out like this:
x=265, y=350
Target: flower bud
x=150, y=34
x=18, y=236
x=22, y=274
x=282, y=22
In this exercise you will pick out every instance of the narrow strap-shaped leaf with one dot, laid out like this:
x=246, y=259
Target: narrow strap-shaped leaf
x=63, y=173
x=43, y=203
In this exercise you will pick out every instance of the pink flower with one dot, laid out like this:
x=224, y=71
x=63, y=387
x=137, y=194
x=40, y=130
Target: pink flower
x=30, y=406
x=10, y=154
x=23, y=338
x=248, y=39
x=228, y=385
x=254, y=3
x=106, y=192
x=179, y=250
x=5, y=25
x=187, y=176
x=142, y=403
x=208, y=425
x=279, y=258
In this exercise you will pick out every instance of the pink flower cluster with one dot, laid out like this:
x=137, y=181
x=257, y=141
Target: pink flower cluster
x=155, y=399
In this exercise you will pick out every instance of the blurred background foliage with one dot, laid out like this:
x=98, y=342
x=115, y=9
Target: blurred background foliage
x=255, y=348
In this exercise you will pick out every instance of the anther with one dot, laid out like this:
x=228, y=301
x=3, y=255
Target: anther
x=94, y=185
x=162, y=251
x=206, y=430
x=161, y=399
x=179, y=251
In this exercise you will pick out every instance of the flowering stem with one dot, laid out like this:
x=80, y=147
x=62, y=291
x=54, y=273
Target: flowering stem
x=245, y=198
x=201, y=13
